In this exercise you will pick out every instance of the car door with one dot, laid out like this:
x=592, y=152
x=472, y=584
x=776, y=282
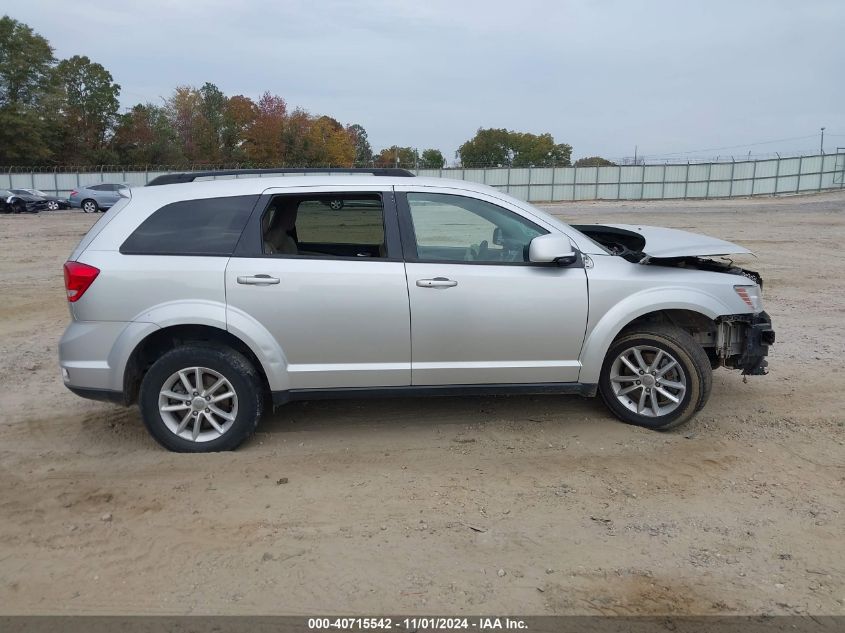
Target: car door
x=321, y=269
x=110, y=195
x=480, y=312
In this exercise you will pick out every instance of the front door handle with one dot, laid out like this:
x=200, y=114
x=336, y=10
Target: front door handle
x=258, y=280
x=437, y=282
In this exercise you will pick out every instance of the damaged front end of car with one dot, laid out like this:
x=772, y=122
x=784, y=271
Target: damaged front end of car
x=743, y=340
x=739, y=341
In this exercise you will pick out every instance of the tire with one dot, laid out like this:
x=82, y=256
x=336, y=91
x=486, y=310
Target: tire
x=692, y=370
x=219, y=362
x=52, y=205
x=18, y=207
x=90, y=206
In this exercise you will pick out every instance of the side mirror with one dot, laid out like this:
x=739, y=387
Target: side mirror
x=552, y=248
x=497, y=237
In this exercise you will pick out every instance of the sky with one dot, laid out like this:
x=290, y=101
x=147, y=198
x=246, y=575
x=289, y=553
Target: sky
x=677, y=79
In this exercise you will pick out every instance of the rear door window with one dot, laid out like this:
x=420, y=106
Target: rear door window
x=210, y=226
x=325, y=225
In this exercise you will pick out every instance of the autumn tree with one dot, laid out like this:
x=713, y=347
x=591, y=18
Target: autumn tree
x=238, y=115
x=328, y=144
x=89, y=107
x=144, y=136
x=184, y=111
x=264, y=139
x=297, y=125
x=395, y=156
x=432, y=159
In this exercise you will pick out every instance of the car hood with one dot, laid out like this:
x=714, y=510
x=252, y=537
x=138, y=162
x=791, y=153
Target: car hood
x=656, y=242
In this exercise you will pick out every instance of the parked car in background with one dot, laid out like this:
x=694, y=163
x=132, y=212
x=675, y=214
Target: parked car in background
x=54, y=203
x=21, y=202
x=95, y=198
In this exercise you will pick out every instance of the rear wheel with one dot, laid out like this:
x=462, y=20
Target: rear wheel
x=52, y=205
x=90, y=206
x=655, y=376
x=201, y=399
x=19, y=207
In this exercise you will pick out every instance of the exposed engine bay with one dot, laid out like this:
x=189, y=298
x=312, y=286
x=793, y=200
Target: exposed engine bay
x=631, y=245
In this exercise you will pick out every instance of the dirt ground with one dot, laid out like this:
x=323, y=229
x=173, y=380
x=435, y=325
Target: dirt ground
x=519, y=505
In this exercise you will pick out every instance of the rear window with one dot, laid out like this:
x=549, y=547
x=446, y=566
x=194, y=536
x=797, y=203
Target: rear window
x=211, y=226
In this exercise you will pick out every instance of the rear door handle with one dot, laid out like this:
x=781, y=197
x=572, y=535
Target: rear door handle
x=437, y=282
x=258, y=280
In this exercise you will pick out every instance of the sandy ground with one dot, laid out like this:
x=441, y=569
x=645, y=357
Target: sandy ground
x=522, y=505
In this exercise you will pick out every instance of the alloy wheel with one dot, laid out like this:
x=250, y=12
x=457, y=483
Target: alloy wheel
x=198, y=404
x=648, y=381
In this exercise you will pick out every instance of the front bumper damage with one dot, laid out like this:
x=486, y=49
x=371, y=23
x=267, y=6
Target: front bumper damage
x=743, y=340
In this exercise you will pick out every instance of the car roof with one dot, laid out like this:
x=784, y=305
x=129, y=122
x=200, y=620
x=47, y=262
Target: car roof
x=198, y=189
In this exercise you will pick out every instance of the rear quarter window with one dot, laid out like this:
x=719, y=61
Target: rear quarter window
x=210, y=226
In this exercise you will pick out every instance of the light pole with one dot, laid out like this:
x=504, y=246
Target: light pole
x=821, y=145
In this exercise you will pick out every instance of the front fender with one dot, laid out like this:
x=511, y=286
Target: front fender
x=603, y=332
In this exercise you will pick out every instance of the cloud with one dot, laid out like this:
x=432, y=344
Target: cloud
x=603, y=76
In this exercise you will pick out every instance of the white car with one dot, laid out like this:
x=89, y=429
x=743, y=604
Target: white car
x=202, y=299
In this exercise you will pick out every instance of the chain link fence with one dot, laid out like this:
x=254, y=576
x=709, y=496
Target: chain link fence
x=798, y=174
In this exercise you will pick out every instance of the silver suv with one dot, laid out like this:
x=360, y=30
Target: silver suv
x=205, y=299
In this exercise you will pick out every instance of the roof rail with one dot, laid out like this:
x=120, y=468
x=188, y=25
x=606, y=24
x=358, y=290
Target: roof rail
x=190, y=176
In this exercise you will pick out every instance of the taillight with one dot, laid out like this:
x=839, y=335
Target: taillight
x=78, y=278
x=73, y=193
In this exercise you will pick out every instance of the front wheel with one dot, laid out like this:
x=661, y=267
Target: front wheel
x=201, y=399
x=655, y=376
x=53, y=205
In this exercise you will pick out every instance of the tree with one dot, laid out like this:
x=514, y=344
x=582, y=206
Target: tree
x=238, y=115
x=26, y=61
x=184, y=111
x=144, y=136
x=531, y=150
x=432, y=159
x=89, y=107
x=297, y=126
x=395, y=156
x=594, y=161
x=488, y=148
x=328, y=144
x=503, y=148
x=363, y=151
x=210, y=126
x=265, y=137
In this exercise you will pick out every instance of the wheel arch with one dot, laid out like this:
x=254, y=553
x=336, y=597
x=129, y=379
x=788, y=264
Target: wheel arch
x=692, y=311
x=154, y=344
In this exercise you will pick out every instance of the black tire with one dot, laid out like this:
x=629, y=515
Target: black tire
x=18, y=207
x=94, y=202
x=52, y=205
x=690, y=356
x=240, y=373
